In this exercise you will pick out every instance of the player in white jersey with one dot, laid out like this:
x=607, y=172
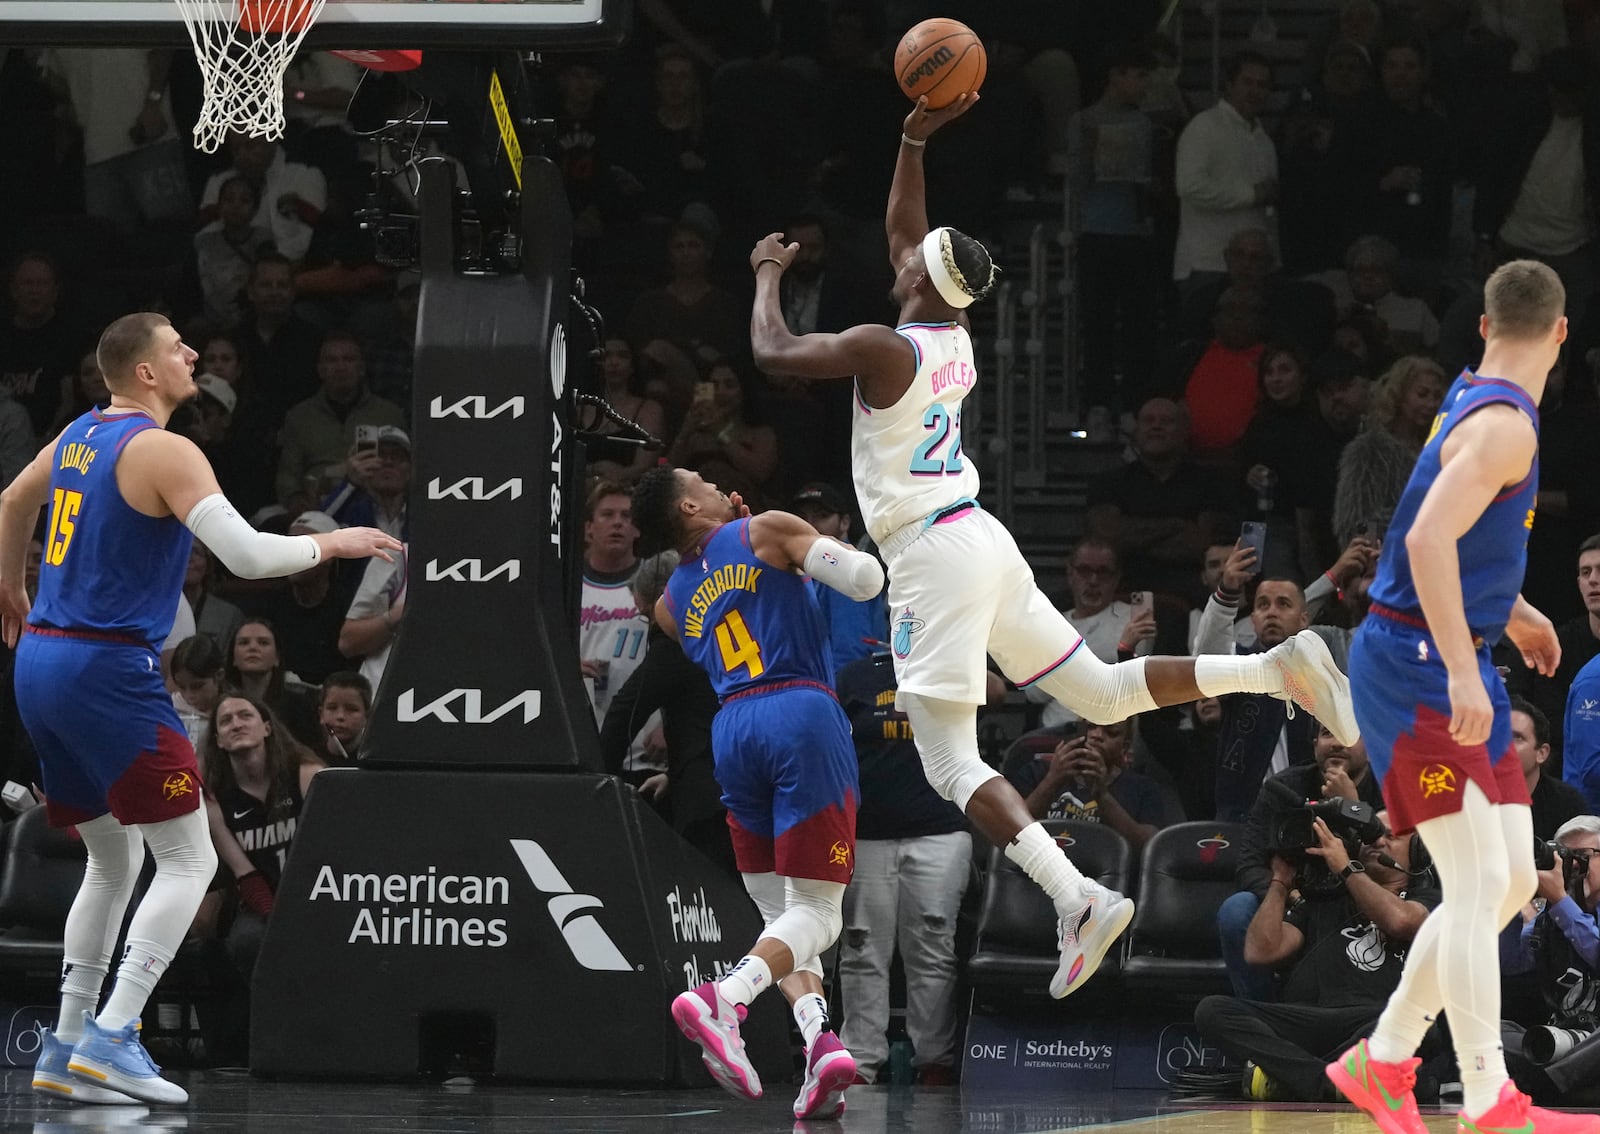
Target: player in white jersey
x=958, y=587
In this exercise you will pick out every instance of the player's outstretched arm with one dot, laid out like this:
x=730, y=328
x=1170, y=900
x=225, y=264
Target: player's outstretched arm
x=868, y=350
x=1490, y=450
x=19, y=515
x=788, y=542
x=163, y=473
x=906, y=219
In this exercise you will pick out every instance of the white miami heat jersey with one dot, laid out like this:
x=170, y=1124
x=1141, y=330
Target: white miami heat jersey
x=907, y=459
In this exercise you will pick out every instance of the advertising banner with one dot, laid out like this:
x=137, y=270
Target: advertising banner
x=551, y=918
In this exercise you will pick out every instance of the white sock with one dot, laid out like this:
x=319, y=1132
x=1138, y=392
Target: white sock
x=1217, y=675
x=1414, y=1005
x=748, y=980
x=137, y=977
x=1483, y=1073
x=1041, y=859
x=80, y=993
x=811, y=1014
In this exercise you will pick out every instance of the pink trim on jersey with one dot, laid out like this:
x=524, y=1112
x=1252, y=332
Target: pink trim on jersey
x=855, y=387
x=1057, y=664
x=951, y=517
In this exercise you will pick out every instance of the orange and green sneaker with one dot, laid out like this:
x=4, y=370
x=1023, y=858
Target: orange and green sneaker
x=1515, y=1113
x=1383, y=1090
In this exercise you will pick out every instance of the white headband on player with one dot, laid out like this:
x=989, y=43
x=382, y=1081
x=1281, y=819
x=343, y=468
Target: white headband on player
x=940, y=261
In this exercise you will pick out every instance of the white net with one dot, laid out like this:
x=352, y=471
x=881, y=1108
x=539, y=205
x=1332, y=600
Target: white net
x=243, y=48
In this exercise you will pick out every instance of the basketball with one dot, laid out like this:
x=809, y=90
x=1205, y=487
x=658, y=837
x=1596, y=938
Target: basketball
x=940, y=59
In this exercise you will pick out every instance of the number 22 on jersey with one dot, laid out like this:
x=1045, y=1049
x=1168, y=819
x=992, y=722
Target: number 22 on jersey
x=63, y=520
x=942, y=426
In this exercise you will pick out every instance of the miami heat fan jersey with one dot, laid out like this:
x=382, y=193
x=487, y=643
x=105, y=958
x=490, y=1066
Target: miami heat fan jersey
x=906, y=458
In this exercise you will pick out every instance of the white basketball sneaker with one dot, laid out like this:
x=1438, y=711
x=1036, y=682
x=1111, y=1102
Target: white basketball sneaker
x=1085, y=933
x=1312, y=681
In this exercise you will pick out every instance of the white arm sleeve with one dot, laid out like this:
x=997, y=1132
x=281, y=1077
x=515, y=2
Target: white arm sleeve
x=246, y=552
x=852, y=573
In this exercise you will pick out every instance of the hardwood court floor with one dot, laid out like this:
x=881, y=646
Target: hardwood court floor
x=239, y=1104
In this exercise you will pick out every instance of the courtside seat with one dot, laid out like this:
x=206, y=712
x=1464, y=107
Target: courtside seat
x=1186, y=873
x=1016, y=949
x=41, y=875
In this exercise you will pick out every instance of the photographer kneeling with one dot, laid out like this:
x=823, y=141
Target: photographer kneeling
x=1559, y=1064
x=1348, y=913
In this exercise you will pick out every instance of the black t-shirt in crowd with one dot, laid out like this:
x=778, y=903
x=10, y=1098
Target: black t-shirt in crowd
x=1145, y=800
x=1554, y=802
x=1349, y=964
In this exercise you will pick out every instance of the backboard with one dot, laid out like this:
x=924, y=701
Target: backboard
x=501, y=24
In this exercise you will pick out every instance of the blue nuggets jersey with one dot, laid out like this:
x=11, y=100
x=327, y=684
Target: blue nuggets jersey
x=744, y=621
x=1494, y=551
x=106, y=567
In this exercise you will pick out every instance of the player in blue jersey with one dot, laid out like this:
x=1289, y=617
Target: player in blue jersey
x=740, y=606
x=1436, y=718
x=126, y=498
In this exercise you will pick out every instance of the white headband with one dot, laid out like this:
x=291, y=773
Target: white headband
x=935, y=246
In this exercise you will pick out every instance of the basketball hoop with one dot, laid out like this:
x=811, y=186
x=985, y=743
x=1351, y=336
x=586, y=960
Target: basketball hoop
x=243, y=48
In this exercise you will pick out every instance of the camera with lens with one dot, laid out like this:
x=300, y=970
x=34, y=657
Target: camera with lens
x=1290, y=833
x=1544, y=853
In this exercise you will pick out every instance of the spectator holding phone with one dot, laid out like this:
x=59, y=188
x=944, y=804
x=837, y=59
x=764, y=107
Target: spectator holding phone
x=376, y=490
x=1086, y=777
x=725, y=437
x=1112, y=630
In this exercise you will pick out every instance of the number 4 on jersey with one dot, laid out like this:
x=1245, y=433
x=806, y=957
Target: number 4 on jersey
x=738, y=647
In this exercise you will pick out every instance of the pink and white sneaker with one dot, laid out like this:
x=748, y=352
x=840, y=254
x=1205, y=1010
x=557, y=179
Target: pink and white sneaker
x=710, y=1021
x=829, y=1070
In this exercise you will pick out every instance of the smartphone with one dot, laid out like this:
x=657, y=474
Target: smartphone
x=366, y=438
x=1141, y=601
x=705, y=391
x=1253, y=533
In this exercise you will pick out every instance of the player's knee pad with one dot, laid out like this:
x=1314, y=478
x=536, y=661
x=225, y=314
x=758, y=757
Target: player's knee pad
x=182, y=847
x=1097, y=692
x=812, y=917
x=947, y=741
x=766, y=890
x=115, y=854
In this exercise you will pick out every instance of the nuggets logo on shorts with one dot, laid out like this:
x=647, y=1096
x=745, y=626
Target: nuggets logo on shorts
x=177, y=786
x=905, y=625
x=1436, y=779
x=839, y=854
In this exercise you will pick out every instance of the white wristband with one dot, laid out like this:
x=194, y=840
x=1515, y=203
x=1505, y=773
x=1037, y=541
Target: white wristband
x=243, y=550
x=852, y=573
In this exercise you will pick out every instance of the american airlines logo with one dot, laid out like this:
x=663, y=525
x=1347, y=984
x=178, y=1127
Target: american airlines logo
x=473, y=571
x=472, y=488
x=470, y=709
x=591, y=945
x=475, y=407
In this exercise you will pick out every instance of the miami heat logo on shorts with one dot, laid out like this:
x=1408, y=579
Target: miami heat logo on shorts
x=839, y=855
x=1435, y=780
x=905, y=625
x=177, y=786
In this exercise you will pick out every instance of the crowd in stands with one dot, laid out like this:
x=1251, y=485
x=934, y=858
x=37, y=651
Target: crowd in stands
x=1276, y=291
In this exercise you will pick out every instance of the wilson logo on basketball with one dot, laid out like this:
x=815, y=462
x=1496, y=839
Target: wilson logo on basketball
x=177, y=786
x=927, y=67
